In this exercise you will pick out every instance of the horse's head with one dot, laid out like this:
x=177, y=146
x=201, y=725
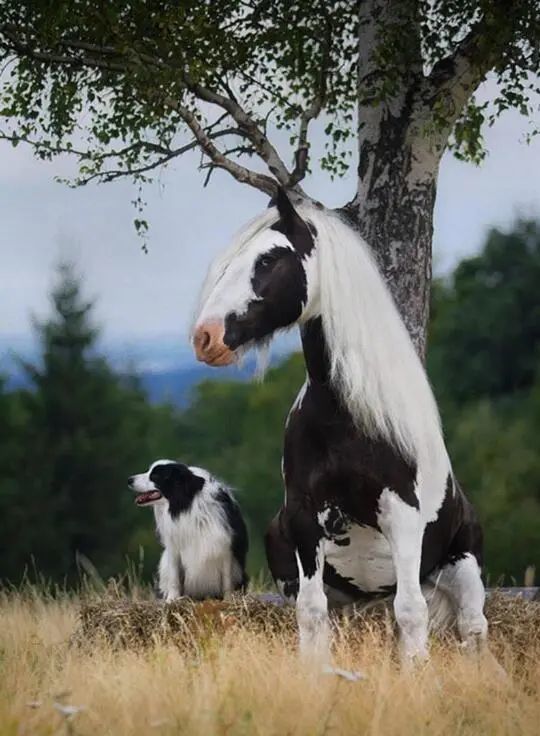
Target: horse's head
x=261, y=285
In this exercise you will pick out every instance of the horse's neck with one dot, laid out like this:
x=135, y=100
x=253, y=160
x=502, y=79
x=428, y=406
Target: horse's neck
x=315, y=351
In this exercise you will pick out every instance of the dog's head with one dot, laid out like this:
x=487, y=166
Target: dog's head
x=167, y=482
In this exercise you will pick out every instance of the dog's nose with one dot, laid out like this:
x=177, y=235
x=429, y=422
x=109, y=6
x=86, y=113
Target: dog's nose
x=209, y=345
x=131, y=481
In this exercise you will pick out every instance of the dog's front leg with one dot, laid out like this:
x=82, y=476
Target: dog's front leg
x=169, y=577
x=226, y=578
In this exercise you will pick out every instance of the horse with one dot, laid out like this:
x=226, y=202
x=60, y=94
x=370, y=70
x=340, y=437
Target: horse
x=372, y=507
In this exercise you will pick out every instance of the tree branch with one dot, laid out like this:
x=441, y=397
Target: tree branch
x=242, y=174
x=107, y=176
x=110, y=59
x=246, y=124
x=455, y=77
x=301, y=156
x=24, y=49
x=166, y=154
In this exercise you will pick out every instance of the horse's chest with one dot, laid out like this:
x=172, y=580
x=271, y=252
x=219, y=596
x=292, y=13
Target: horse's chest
x=357, y=553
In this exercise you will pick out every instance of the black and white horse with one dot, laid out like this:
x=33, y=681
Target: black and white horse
x=371, y=504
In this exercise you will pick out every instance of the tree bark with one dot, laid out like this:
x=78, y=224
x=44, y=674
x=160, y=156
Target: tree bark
x=393, y=211
x=398, y=166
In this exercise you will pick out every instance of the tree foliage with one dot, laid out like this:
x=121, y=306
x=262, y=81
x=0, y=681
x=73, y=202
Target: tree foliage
x=485, y=335
x=129, y=86
x=484, y=361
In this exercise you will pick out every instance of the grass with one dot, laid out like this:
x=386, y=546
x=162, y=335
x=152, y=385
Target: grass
x=240, y=676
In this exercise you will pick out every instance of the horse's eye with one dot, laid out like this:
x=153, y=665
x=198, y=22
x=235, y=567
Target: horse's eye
x=267, y=260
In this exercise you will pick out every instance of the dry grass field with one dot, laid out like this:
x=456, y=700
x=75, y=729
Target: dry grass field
x=133, y=668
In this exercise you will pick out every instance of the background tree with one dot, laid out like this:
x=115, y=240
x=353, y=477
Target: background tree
x=485, y=334
x=74, y=439
x=484, y=361
x=156, y=79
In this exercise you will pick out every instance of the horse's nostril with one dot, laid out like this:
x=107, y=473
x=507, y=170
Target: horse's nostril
x=205, y=339
x=208, y=342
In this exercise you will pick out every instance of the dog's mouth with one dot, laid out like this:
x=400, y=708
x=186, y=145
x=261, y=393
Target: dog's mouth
x=142, y=499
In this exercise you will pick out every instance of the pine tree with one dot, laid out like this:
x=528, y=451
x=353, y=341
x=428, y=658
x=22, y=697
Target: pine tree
x=84, y=434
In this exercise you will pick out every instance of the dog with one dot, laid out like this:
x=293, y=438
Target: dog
x=201, y=528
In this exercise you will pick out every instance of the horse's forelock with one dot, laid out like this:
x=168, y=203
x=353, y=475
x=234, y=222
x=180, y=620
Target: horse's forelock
x=240, y=243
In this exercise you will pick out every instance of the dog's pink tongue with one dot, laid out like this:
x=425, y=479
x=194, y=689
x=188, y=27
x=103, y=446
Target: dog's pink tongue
x=147, y=497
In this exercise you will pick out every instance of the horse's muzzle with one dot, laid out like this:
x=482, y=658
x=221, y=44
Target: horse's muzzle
x=209, y=345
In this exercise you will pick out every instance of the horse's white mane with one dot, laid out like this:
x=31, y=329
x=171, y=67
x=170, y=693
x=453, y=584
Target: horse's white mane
x=374, y=366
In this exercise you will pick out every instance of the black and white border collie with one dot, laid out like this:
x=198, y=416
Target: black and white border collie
x=201, y=528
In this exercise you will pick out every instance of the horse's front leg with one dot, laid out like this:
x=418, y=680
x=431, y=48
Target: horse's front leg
x=312, y=605
x=402, y=526
x=311, y=602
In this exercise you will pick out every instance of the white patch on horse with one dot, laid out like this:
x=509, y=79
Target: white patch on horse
x=323, y=516
x=430, y=486
x=366, y=561
x=312, y=613
x=297, y=405
x=402, y=526
x=228, y=286
x=462, y=582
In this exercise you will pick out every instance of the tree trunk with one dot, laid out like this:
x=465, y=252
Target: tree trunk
x=394, y=213
x=398, y=167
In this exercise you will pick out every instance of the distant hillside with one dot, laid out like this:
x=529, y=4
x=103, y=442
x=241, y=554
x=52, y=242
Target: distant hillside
x=166, y=367
x=175, y=386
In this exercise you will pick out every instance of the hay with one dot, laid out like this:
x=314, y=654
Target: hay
x=186, y=623
x=136, y=624
x=514, y=621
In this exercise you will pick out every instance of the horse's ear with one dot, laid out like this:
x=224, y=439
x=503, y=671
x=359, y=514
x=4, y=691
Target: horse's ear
x=284, y=205
x=291, y=224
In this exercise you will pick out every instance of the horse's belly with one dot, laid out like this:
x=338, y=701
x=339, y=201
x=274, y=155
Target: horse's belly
x=361, y=555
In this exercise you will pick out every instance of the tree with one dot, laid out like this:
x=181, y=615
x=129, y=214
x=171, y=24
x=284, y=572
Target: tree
x=485, y=335
x=78, y=434
x=484, y=362
x=228, y=72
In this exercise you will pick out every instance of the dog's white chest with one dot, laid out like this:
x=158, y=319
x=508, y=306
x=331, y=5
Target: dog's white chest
x=201, y=545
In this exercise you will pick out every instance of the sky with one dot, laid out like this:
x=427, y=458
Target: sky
x=148, y=298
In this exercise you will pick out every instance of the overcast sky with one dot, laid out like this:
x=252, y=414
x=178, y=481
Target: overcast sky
x=151, y=296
